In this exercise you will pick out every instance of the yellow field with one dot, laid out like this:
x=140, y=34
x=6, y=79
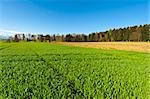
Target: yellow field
x=129, y=46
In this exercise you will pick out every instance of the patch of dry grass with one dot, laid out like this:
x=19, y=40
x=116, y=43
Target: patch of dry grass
x=129, y=46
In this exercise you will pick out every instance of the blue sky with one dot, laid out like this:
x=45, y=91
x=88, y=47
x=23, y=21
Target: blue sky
x=71, y=16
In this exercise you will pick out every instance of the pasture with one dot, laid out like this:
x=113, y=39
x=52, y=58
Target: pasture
x=56, y=71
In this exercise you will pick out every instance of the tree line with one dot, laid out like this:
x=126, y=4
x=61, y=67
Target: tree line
x=133, y=33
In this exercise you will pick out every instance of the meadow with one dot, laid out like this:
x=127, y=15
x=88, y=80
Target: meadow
x=55, y=71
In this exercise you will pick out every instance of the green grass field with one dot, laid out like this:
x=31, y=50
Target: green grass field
x=54, y=71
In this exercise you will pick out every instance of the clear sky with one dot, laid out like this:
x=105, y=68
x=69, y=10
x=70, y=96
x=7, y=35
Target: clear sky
x=71, y=16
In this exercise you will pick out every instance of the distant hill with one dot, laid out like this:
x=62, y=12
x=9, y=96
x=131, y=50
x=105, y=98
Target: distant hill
x=2, y=37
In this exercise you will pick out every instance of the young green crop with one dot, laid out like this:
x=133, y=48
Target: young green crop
x=42, y=70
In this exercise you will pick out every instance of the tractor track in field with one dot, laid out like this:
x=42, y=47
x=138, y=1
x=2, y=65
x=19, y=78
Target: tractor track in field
x=5, y=47
x=70, y=85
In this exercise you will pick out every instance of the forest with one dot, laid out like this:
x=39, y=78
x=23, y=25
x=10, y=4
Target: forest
x=131, y=33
